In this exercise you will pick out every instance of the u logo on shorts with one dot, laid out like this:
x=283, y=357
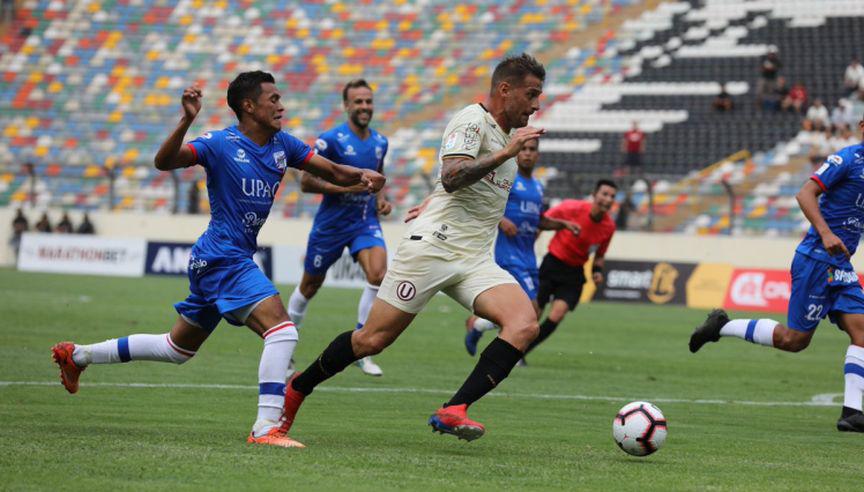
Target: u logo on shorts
x=405, y=291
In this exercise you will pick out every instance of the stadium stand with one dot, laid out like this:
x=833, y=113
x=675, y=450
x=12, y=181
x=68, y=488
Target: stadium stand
x=88, y=87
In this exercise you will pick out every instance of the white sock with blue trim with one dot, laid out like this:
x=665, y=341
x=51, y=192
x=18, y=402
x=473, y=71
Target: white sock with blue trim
x=370, y=292
x=759, y=331
x=279, y=344
x=853, y=371
x=159, y=348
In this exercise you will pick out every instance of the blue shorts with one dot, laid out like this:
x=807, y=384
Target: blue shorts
x=325, y=248
x=528, y=278
x=820, y=289
x=220, y=286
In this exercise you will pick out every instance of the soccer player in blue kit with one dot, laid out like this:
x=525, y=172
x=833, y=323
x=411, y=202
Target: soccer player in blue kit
x=245, y=164
x=348, y=215
x=824, y=283
x=514, y=248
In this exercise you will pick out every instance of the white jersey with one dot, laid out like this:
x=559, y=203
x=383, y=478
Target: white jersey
x=466, y=221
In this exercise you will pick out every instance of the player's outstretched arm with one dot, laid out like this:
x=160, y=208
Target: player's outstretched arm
x=550, y=224
x=309, y=183
x=172, y=153
x=459, y=171
x=808, y=200
x=341, y=175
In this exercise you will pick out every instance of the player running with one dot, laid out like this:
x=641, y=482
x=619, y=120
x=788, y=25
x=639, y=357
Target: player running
x=245, y=164
x=562, y=273
x=824, y=283
x=517, y=231
x=449, y=248
x=348, y=216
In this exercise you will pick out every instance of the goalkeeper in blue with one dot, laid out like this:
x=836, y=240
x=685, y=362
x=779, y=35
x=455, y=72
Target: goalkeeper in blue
x=824, y=283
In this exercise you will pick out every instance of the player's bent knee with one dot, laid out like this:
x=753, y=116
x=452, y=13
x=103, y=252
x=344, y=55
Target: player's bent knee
x=375, y=278
x=792, y=341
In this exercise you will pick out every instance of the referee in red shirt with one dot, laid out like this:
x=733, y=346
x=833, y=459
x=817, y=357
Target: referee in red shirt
x=562, y=273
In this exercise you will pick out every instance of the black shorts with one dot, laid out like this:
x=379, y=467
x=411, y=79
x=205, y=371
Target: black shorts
x=559, y=280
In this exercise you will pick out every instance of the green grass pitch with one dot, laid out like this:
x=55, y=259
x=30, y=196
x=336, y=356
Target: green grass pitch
x=739, y=417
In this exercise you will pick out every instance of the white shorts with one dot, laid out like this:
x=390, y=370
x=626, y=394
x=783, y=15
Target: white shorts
x=420, y=269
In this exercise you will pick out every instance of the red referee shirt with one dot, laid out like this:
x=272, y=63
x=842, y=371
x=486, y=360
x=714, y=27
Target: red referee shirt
x=594, y=237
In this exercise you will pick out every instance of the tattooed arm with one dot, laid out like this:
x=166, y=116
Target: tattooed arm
x=460, y=171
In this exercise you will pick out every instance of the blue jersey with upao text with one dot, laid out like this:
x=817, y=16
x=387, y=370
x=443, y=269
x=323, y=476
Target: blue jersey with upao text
x=345, y=211
x=524, y=207
x=841, y=178
x=242, y=181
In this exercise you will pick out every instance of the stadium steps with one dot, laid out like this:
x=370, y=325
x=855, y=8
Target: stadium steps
x=705, y=204
x=478, y=90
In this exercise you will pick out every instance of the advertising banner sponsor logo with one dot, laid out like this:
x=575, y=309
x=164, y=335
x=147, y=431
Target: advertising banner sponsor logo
x=759, y=290
x=707, y=286
x=84, y=254
x=173, y=259
x=641, y=281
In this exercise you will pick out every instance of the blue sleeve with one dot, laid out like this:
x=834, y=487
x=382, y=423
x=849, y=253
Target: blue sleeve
x=834, y=170
x=325, y=147
x=298, y=152
x=383, y=156
x=206, y=148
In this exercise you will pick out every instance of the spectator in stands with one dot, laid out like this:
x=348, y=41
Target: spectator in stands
x=854, y=76
x=797, y=98
x=20, y=225
x=821, y=146
x=843, y=115
x=65, y=225
x=778, y=99
x=624, y=208
x=818, y=116
x=44, y=225
x=633, y=147
x=194, y=199
x=86, y=226
x=769, y=68
x=723, y=101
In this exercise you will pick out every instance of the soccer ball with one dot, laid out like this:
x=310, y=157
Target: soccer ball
x=639, y=428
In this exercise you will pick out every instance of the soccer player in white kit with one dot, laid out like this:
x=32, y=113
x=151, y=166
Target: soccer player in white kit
x=448, y=248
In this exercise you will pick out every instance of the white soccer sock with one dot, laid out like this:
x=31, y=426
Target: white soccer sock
x=482, y=324
x=365, y=304
x=297, y=307
x=759, y=331
x=853, y=371
x=279, y=343
x=134, y=347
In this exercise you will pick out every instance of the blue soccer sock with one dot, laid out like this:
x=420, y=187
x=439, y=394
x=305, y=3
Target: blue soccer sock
x=759, y=331
x=853, y=371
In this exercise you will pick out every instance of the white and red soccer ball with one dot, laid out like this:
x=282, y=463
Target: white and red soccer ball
x=639, y=428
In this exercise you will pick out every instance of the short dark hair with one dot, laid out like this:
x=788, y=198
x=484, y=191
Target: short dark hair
x=353, y=84
x=246, y=85
x=605, y=182
x=514, y=69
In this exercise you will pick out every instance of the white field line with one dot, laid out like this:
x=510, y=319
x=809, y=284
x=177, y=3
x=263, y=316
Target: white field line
x=822, y=400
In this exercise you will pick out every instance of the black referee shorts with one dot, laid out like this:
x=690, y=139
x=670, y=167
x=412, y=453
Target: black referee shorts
x=559, y=280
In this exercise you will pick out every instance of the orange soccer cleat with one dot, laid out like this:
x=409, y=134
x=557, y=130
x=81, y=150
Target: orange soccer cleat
x=454, y=420
x=293, y=400
x=69, y=371
x=275, y=437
